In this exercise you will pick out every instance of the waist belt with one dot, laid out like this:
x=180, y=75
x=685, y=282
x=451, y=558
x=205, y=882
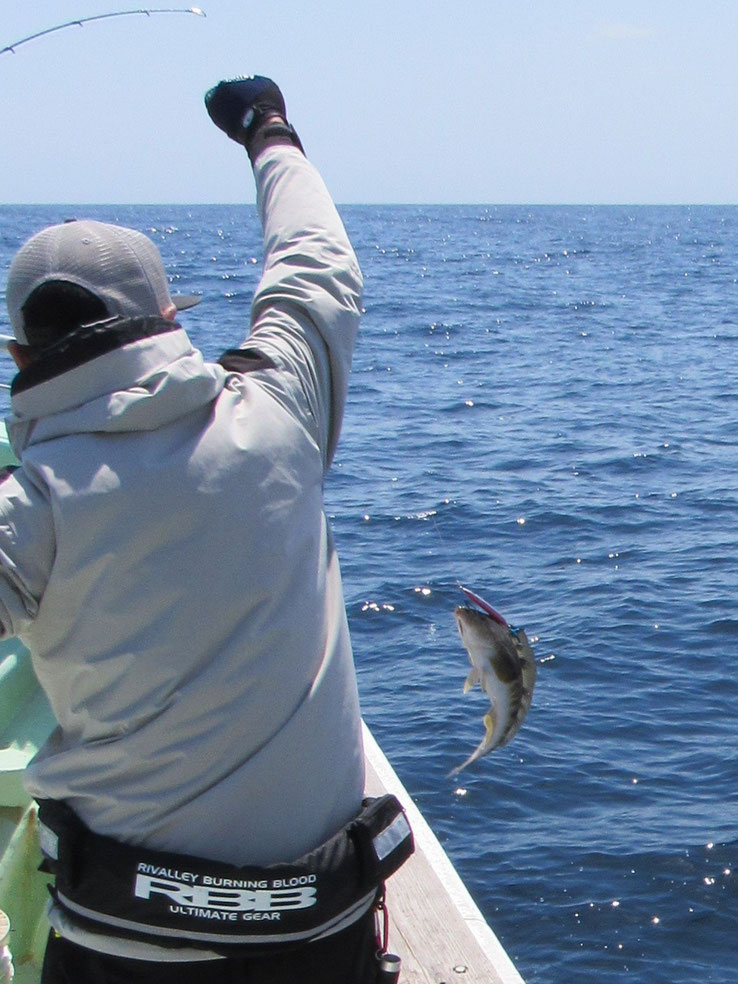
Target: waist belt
x=175, y=899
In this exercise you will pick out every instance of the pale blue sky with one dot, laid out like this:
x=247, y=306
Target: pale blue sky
x=522, y=101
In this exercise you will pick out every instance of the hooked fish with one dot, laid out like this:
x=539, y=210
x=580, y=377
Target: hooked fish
x=503, y=664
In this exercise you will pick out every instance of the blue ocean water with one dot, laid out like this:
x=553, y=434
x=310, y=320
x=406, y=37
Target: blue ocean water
x=544, y=407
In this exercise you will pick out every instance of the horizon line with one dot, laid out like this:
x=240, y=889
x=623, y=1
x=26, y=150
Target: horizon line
x=392, y=204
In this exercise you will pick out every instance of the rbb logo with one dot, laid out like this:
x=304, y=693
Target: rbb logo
x=230, y=899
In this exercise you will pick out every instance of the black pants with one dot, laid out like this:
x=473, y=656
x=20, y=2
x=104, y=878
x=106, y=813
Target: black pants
x=347, y=957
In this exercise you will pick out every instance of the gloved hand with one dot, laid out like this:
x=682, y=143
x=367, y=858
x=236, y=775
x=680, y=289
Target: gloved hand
x=240, y=107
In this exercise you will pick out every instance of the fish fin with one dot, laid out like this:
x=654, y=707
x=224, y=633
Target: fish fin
x=472, y=758
x=484, y=746
x=472, y=679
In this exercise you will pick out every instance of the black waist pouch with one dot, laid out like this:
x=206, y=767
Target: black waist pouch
x=175, y=899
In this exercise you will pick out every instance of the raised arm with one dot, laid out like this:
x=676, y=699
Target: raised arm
x=305, y=312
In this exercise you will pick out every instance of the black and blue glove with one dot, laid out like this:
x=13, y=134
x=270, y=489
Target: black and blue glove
x=240, y=107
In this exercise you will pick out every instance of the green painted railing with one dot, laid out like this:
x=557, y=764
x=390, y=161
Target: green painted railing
x=25, y=722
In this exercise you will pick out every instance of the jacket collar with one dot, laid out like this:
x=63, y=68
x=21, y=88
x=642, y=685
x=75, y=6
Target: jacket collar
x=85, y=344
x=134, y=375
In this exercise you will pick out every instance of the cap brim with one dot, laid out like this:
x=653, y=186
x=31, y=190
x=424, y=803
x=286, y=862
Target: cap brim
x=184, y=301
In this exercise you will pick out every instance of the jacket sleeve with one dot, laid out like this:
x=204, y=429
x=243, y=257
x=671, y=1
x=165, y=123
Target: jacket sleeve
x=26, y=551
x=305, y=312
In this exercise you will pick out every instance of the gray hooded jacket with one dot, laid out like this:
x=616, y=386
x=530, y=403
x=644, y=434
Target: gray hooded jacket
x=165, y=556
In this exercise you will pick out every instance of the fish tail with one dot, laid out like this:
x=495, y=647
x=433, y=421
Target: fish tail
x=485, y=745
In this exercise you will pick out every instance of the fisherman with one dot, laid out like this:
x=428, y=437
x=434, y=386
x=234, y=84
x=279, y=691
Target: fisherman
x=166, y=558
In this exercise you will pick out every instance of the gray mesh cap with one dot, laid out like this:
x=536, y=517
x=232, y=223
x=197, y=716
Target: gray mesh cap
x=120, y=266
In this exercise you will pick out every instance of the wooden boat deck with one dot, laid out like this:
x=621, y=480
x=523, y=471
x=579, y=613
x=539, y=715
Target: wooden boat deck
x=435, y=926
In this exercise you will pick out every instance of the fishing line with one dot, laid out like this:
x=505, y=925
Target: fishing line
x=80, y=22
x=471, y=595
x=444, y=543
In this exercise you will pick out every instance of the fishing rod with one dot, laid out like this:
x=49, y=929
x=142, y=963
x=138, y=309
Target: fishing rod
x=86, y=20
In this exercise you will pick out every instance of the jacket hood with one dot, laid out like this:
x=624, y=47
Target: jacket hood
x=137, y=374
